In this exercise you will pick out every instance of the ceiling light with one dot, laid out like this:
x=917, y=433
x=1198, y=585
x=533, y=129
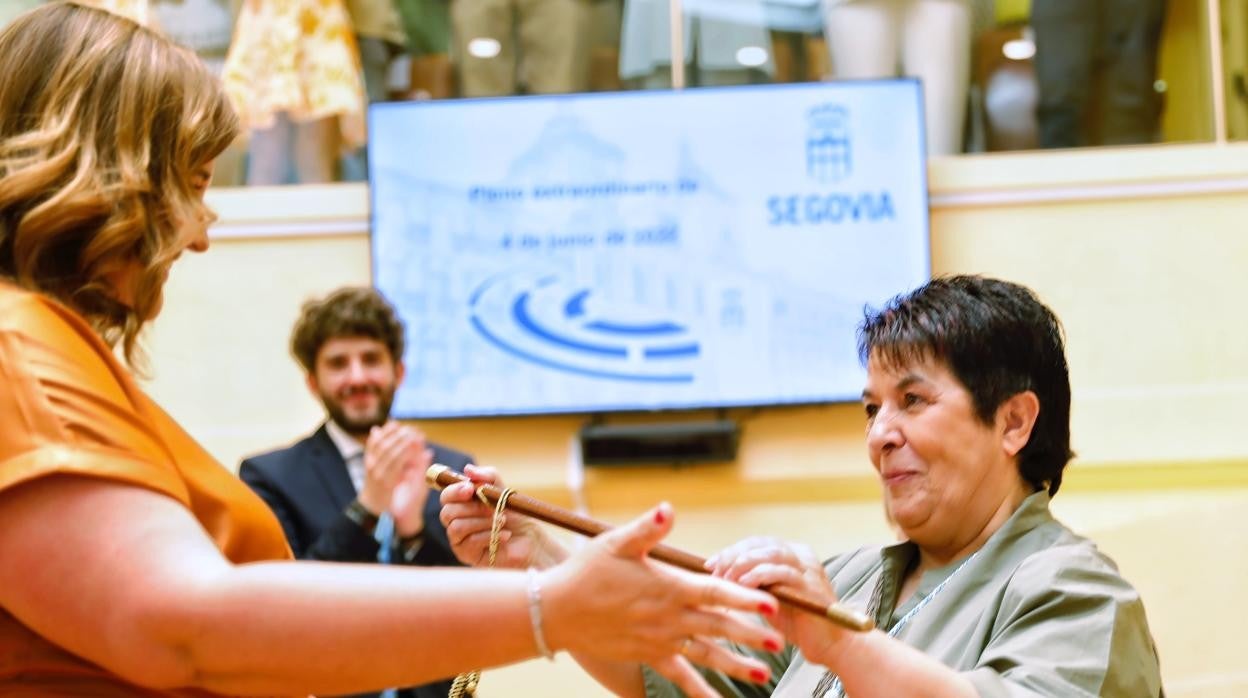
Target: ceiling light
x=1019, y=49
x=484, y=47
x=752, y=56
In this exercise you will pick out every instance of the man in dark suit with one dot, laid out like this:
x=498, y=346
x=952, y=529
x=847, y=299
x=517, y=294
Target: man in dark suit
x=360, y=475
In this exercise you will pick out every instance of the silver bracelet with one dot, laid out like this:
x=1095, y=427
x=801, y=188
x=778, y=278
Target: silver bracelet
x=535, y=615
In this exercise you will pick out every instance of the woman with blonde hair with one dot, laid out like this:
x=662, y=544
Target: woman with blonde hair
x=133, y=564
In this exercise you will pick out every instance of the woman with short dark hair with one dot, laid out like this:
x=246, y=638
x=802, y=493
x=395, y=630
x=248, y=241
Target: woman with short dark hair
x=967, y=404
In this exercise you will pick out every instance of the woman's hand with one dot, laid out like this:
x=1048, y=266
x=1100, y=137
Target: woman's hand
x=761, y=561
x=612, y=602
x=522, y=542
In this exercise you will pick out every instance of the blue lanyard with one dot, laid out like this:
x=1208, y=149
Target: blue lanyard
x=837, y=690
x=385, y=533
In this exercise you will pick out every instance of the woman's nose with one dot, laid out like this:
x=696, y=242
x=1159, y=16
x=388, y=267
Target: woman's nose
x=882, y=433
x=199, y=240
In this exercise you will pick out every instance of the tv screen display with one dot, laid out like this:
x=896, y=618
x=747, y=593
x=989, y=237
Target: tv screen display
x=632, y=251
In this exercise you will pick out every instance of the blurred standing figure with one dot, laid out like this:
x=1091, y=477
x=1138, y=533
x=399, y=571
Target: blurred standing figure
x=131, y=9
x=927, y=39
x=428, y=27
x=715, y=33
x=380, y=36
x=379, y=32
x=293, y=73
x=1096, y=62
x=503, y=45
x=206, y=27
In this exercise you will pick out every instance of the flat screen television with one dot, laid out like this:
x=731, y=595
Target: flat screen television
x=668, y=250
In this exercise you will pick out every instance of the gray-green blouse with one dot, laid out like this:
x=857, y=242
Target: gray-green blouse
x=1038, y=611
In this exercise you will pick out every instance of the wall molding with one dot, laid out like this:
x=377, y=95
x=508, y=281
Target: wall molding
x=956, y=182
x=331, y=227
x=715, y=486
x=1127, y=191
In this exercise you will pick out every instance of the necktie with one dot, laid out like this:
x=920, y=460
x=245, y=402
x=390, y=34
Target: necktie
x=384, y=533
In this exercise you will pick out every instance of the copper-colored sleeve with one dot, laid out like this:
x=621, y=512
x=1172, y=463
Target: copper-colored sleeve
x=440, y=476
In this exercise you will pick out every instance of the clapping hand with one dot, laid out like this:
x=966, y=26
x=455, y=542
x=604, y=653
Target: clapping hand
x=396, y=457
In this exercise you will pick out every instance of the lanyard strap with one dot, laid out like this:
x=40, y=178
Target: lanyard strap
x=835, y=689
x=892, y=632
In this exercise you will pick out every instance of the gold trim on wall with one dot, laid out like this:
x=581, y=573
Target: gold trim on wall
x=634, y=489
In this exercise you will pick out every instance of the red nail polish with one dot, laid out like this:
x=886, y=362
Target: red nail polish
x=767, y=609
x=771, y=645
x=659, y=517
x=758, y=675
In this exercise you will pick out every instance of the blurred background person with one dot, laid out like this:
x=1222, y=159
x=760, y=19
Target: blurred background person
x=717, y=36
x=205, y=27
x=505, y=47
x=927, y=39
x=427, y=24
x=136, y=10
x=293, y=72
x=380, y=36
x=1096, y=64
x=354, y=490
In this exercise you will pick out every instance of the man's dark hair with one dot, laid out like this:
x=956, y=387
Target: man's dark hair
x=347, y=312
x=998, y=340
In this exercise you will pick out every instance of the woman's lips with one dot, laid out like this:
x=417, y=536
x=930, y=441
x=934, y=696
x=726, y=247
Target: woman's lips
x=898, y=477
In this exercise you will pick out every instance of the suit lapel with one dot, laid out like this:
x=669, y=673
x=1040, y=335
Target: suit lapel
x=331, y=469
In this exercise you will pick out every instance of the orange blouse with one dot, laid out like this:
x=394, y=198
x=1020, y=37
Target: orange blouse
x=68, y=406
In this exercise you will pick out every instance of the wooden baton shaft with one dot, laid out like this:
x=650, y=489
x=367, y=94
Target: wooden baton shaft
x=439, y=476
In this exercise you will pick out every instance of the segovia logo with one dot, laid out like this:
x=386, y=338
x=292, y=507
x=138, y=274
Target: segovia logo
x=828, y=154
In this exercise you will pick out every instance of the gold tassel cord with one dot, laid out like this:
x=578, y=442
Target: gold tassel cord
x=465, y=685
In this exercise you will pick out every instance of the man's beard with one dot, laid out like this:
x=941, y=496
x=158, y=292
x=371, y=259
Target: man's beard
x=359, y=427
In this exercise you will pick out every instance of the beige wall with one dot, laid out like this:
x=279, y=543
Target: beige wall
x=1139, y=251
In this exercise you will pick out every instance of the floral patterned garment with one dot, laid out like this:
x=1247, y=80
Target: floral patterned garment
x=133, y=9
x=297, y=57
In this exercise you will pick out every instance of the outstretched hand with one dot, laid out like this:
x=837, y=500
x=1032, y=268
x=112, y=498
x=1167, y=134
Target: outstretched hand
x=613, y=602
x=762, y=561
